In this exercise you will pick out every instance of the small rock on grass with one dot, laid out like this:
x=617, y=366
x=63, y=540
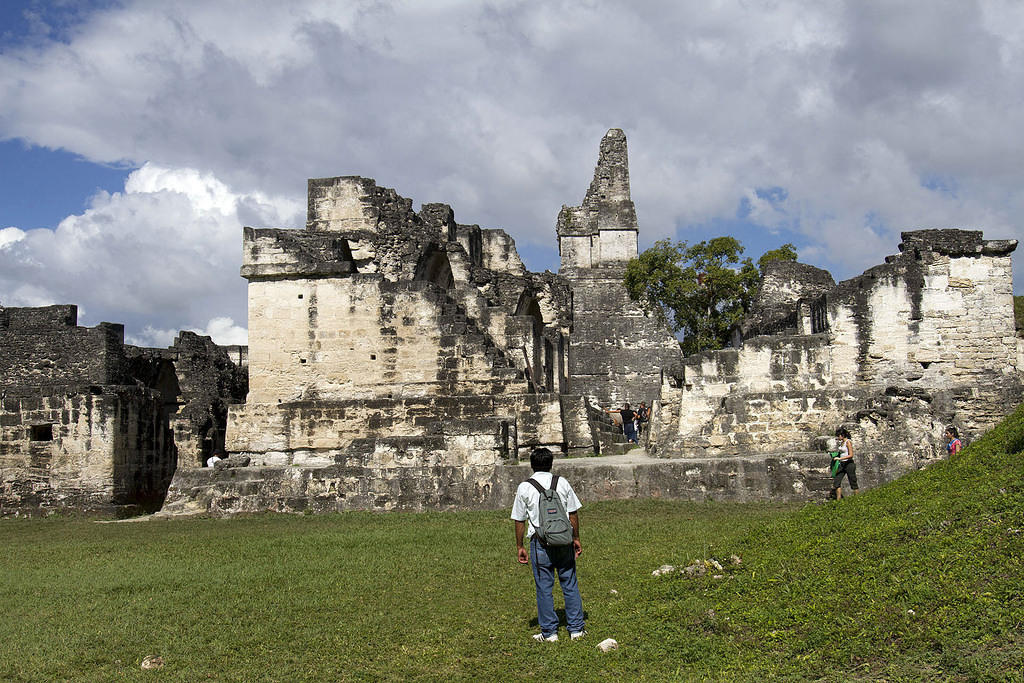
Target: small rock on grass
x=153, y=662
x=608, y=644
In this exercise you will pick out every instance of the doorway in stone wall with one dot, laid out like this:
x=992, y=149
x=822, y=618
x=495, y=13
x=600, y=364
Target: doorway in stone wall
x=529, y=307
x=435, y=267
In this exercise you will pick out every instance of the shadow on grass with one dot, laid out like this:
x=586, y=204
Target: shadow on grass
x=563, y=621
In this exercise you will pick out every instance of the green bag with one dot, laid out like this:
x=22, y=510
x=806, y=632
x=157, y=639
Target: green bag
x=836, y=462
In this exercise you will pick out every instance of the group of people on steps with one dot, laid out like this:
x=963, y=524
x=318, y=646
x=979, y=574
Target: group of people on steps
x=633, y=421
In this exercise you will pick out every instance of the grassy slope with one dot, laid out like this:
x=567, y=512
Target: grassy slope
x=919, y=579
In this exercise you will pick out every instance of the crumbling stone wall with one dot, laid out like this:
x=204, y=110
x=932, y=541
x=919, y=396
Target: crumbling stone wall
x=378, y=321
x=89, y=423
x=788, y=293
x=905, y=349
x=74, y=449
x=45, y=347
x=76, y=430
x=198, y=380
x=917, y=320
x=316, y=433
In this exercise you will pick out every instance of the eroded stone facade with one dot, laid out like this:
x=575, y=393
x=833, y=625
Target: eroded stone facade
x=923, y=341
x=401, y=360
x=88, y=423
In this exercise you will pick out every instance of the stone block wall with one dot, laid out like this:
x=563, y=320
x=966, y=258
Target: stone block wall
x=363, y=337
x=84, y=448
x=911, y=346
x=45, y=347
x=406, y=484
x=317, y=433
x=617, y=354
x=453, y=466
x=918, y=321
x=88, y=423
x=763, y=365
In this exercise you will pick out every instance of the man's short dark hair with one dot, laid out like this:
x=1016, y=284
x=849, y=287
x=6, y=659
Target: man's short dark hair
x=541, y=459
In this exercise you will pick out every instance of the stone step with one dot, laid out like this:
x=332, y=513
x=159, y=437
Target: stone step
x=617, y=448
x=451, y=309
x=507, y=373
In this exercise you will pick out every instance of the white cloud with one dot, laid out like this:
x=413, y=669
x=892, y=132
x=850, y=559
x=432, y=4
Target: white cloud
x=166, y=251
x=9, y=236
x=497, y=108
x=222, y=330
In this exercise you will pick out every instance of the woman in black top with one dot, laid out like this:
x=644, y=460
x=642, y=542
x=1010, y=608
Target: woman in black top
x=628, y=428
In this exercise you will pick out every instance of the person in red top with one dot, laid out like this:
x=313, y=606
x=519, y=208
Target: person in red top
x=953, y=445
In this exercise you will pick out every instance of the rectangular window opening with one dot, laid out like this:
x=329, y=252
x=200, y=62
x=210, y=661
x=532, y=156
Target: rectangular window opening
x=41, y=432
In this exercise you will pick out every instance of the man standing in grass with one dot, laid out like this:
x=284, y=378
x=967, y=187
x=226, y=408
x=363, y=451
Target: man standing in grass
x=545, y=560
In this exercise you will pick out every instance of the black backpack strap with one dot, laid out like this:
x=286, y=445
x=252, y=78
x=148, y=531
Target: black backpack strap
x=540, y=489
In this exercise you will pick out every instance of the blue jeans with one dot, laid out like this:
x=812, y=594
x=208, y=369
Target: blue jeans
x=629, y=429
x=545, y=562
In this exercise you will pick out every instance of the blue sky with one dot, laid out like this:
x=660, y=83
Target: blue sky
x=136, y=138
x=39, y=187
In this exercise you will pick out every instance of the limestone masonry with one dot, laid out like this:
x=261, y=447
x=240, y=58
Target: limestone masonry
x=398, y=359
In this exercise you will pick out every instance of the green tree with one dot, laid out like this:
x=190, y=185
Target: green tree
x=787, y=252
x=701, y=290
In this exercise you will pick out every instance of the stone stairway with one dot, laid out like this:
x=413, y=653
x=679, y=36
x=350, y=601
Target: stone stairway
x=463, y=341
x=610, y=439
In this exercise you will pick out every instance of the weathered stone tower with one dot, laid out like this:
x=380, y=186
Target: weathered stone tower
x=616, y=352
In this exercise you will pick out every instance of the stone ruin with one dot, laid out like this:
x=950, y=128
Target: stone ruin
x=88, y=423
x=401, y=360
x=896, y=354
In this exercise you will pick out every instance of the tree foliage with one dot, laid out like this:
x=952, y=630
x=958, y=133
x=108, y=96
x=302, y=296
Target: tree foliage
x=701, y=290
x=787, y=252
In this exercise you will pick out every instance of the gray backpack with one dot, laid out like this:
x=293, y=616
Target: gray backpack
x=554, y=530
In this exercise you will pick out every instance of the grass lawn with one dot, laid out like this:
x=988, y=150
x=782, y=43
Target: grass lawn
x=918, y=580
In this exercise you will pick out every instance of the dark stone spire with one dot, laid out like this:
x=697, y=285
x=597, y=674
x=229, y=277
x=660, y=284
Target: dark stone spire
x=608, y=201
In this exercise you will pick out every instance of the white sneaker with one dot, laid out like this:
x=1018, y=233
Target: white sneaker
x=541, y=638
x=577, y=635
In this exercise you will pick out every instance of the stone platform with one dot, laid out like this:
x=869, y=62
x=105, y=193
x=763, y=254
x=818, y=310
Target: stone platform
x=775, y=477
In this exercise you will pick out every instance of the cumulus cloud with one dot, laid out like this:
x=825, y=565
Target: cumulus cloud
x=224, y=331
x=165, y=251
x=869, y=117
x=9, y=236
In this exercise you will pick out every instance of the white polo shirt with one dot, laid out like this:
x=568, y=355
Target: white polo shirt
x=527, y=502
